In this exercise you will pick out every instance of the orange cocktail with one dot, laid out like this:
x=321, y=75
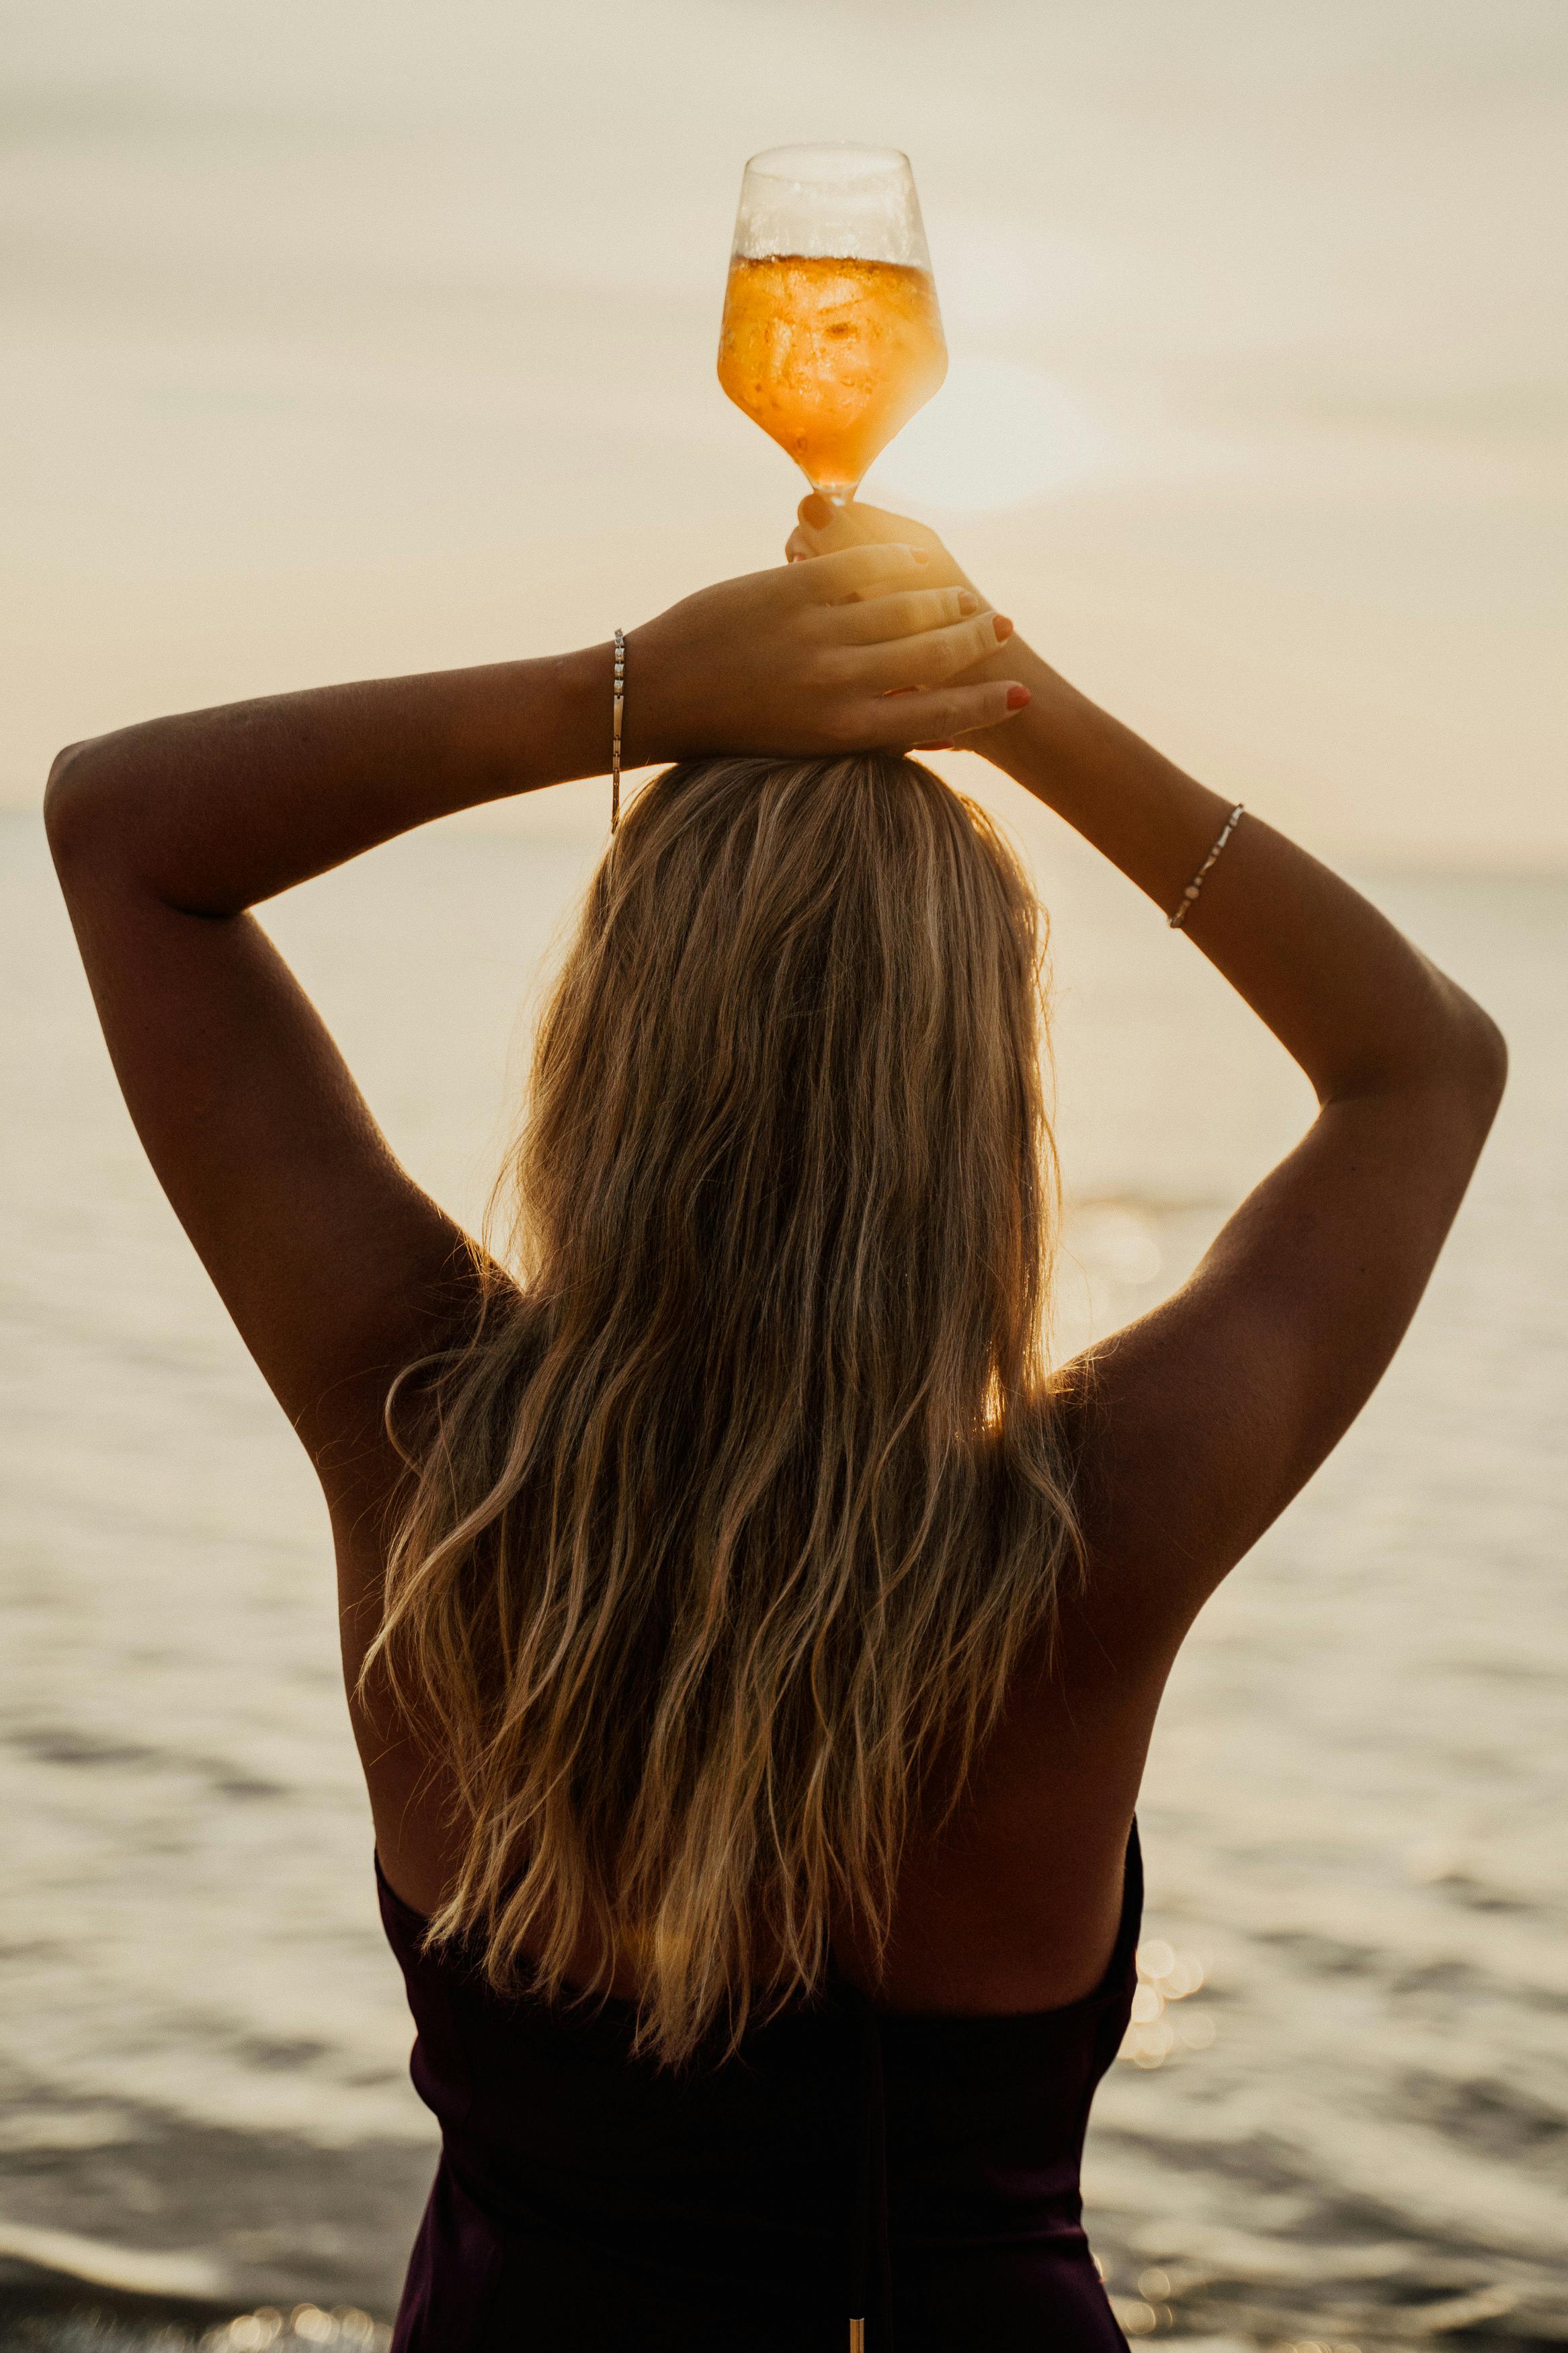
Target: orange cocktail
x=830, y=355
x=831, y=338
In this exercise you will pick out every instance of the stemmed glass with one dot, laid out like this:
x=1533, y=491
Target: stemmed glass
x=832, y=338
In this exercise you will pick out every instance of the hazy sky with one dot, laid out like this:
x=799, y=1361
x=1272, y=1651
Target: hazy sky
x=359, y=335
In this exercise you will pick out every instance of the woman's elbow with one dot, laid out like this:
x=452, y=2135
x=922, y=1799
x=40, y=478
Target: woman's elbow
x=1491, y=1054
x=74, y=802
x=1480, y=1059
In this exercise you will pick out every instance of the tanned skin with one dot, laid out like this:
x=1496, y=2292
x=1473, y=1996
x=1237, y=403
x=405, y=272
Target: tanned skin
x=1205, y=1417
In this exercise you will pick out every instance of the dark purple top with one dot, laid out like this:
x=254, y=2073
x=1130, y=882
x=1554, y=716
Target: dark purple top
x=920, y=2171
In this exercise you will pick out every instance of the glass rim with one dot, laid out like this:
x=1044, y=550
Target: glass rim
x=860, y=162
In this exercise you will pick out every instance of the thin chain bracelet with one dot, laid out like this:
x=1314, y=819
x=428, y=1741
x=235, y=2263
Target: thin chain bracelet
x=616, y=709
x=1196, y=884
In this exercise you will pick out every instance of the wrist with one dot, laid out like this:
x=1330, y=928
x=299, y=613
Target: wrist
x=571, y=731
x=644, y=728
x=585, y=682
x=1006, y=746
x=515, y=727
x=656, y=723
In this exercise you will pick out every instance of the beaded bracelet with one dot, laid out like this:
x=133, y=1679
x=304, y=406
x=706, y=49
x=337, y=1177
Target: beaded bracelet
x=1196, y=884
x=616, y=711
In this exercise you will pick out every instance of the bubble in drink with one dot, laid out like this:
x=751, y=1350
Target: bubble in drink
x=830, y=356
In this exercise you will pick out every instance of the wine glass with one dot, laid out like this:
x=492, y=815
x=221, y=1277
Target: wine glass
x=832, y=338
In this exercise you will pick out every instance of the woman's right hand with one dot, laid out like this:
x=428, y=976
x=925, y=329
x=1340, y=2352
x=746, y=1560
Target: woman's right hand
x=851, y=649
x=822, y=529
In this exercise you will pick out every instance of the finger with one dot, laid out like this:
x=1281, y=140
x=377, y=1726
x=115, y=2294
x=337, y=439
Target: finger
x=839, y=528
x=853, y=570
x=847, y=526
x=927, y=660
x=945, y=713
x=802, y=545
x=867, y=521
x=857, y=526
x=876, y=619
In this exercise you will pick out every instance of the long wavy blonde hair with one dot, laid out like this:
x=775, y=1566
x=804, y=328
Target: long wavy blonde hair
x=725, y=1532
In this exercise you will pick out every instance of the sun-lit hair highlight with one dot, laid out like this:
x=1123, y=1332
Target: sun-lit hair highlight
x=726, y=1532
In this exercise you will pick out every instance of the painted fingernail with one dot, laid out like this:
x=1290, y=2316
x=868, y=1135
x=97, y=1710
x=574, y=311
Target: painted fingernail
x=1003, y=626
x=1017, y=696
x=968, y=602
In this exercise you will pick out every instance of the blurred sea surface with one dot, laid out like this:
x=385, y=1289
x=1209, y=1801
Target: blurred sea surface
x=1341, y=2117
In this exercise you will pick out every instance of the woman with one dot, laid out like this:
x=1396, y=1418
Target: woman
x=753, y=1653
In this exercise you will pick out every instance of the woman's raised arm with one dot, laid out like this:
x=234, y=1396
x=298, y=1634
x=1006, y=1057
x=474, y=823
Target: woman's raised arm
x=333, y=1264
x=1216, y=1408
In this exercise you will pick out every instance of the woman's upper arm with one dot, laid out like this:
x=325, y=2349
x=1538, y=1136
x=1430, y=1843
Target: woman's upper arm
x=1204, y=1418
x=334, y=1265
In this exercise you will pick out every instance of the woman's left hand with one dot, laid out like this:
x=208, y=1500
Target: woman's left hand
x=838, y=652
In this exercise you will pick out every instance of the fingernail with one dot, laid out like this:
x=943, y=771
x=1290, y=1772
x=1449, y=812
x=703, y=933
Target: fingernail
x=920, y=555
x=968, y=602
x=1003, y=626
x=814, y=510
x=1017, y=696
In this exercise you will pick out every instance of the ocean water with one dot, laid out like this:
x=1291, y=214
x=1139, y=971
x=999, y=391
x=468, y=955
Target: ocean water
x=1342, y=2117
